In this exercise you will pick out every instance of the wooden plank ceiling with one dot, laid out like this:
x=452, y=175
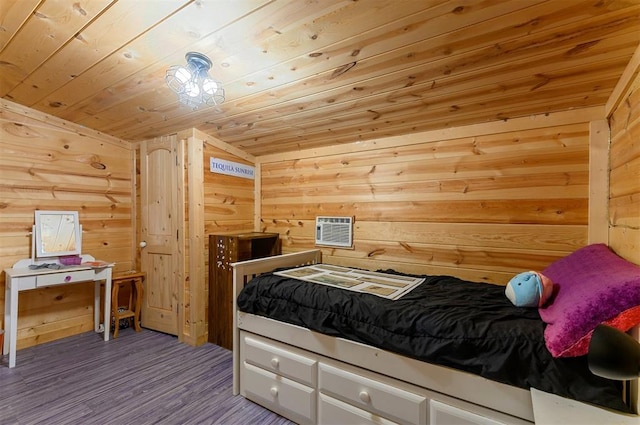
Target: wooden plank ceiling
x=310, y=73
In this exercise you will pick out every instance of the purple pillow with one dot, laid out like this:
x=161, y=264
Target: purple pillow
x=591, y=286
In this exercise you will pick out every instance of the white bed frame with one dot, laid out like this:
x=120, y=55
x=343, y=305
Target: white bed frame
x=321, y=370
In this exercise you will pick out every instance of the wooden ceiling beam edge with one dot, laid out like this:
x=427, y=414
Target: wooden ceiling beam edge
x=222, y=145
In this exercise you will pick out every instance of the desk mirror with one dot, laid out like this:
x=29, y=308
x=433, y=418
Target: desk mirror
x=57, y=233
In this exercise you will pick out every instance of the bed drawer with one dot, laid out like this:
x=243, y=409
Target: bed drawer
x=333, y=411
x=443, y=414
x=278, y=359
x=284, y=396
x=377, y=397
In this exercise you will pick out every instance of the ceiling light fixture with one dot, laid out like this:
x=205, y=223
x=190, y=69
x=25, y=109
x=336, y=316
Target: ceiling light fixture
x=192, y=82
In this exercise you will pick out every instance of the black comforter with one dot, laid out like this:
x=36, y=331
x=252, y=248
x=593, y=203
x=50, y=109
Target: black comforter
x=447, y=321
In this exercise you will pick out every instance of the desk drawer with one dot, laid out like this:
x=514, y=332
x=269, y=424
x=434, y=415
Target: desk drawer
x=64, y=277
x=373, y=396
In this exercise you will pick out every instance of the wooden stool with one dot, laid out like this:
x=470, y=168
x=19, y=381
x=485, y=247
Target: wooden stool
x=134, y=280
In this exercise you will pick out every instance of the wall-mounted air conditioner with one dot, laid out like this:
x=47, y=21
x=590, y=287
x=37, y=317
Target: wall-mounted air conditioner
x=334, y=231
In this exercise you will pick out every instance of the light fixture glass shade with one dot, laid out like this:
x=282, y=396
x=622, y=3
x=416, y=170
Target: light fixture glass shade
x=613, y=354
x=192, y=83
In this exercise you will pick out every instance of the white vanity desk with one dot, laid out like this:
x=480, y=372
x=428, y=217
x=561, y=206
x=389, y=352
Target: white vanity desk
x=22, y=278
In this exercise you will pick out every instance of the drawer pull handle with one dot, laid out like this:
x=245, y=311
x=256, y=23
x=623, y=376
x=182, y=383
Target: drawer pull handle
x=67, y=278
x=274, y=392
x=275, y=363
x=364, y=397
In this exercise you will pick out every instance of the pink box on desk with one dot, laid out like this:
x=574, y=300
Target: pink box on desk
x=71, y=260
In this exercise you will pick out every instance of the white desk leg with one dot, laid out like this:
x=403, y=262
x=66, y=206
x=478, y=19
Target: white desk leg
x=107, y=305
x=11, y=304
x=7, y=316
x=96, y=306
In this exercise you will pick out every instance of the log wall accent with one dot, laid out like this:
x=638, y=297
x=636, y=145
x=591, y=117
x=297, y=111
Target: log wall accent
x=482, y=203
x=50, y=164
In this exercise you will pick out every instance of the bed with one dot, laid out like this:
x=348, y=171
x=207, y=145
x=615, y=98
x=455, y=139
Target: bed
x=309, y=362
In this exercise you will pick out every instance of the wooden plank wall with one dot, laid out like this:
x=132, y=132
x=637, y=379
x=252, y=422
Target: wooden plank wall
x=229, y=202
x=624, y=177
x=481, y=202
x=50, y=164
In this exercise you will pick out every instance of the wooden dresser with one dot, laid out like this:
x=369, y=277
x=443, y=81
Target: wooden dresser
x=224, y=250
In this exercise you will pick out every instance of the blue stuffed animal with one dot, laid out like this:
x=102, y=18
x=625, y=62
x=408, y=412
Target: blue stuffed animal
x=529, y=289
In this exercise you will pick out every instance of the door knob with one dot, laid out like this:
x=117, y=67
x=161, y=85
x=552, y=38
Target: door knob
x=143, y=244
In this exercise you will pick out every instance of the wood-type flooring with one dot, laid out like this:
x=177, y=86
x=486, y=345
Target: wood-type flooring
x=137, y=378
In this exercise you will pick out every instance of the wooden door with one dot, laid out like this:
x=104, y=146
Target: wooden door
x=160, y=257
